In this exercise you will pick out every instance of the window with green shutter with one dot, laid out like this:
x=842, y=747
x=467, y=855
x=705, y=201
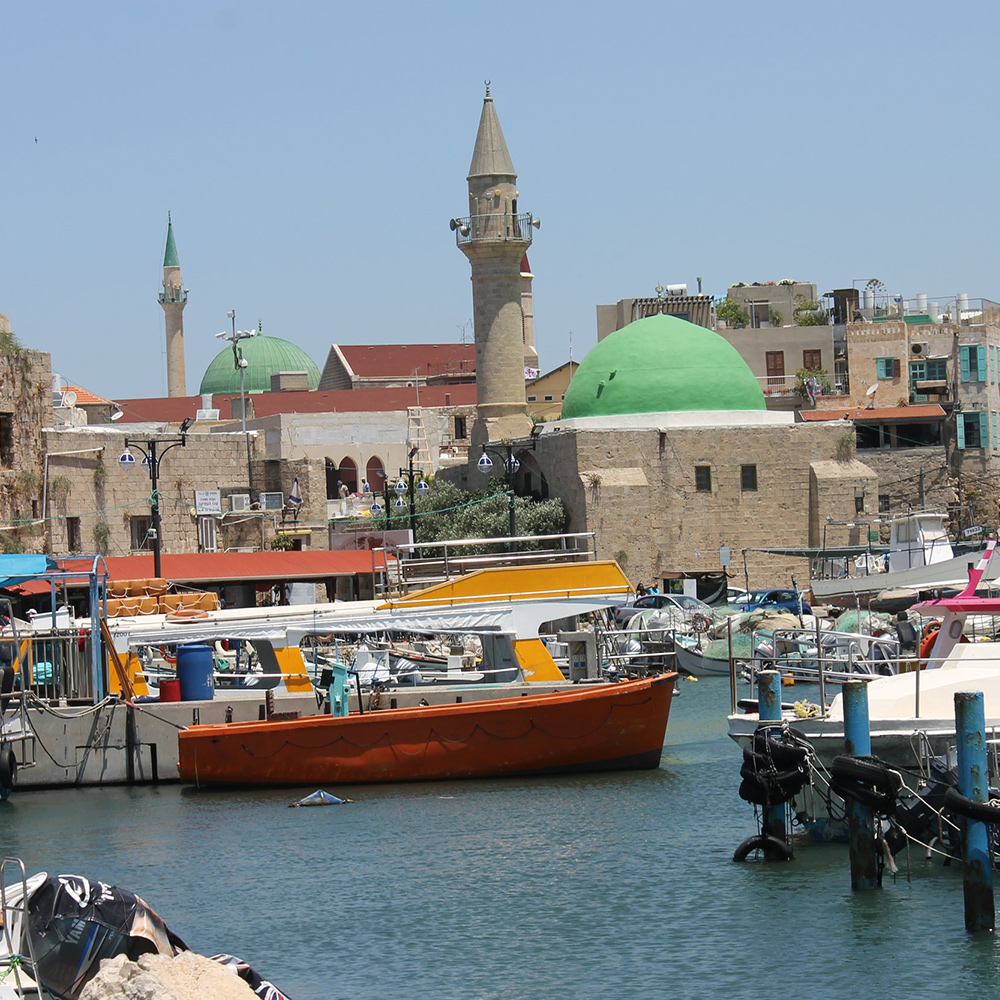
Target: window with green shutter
x=972, y=360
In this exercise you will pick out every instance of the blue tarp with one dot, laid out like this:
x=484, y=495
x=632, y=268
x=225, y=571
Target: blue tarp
x=17, y=569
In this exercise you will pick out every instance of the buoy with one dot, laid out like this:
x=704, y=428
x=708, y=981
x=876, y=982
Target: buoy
x=788, y=680
x=319, y=798
x=690, y=677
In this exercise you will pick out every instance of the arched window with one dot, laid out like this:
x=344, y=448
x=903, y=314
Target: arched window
x=348, y=474
x=331, y=479
x=375, y=473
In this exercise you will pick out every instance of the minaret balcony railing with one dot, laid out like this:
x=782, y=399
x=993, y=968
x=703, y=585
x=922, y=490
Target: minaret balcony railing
x=498, y=226
x=173, y=295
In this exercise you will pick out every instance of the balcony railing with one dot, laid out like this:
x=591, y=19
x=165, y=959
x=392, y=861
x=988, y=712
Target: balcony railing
x=499, y=226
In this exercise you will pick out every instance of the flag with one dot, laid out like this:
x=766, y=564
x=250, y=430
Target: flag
x=295, y=497
x=530, y=373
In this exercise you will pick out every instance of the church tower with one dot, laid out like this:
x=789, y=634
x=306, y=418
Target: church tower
x=496, y=238
x=173, y=298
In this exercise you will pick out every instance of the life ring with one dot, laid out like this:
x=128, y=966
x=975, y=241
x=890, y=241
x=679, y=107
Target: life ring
x=700, y=623
x=169, y=657
x=186, y=615
x=8, y=769
x=930, y=637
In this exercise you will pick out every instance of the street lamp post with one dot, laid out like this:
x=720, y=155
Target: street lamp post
x=510, y=466
x=411, y=481
x=152, y=462
x=240, y=363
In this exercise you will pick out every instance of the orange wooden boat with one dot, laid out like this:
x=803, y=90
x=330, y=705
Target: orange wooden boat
x=604, y=727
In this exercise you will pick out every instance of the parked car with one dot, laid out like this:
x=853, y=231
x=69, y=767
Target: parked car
x=686, y=605
x=783, y=600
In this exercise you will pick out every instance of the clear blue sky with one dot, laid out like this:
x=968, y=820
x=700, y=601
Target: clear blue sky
x=312, y=154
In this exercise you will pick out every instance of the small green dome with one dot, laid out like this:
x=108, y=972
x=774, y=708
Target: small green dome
x=661, y=364
x=265, y=356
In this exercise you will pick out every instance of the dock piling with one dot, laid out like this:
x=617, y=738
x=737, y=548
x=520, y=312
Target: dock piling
x=977, y=872
x=860, y=819
x=769, y=711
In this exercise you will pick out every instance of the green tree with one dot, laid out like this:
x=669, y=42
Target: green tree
x=735, y=316
x=446, y=512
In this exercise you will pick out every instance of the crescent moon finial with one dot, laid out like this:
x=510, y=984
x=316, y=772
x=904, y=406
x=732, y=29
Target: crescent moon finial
x=487, y=82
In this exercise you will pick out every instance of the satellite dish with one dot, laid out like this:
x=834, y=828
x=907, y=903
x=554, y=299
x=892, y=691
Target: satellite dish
x=118, y=414
x=872, y=389
x=69, y=398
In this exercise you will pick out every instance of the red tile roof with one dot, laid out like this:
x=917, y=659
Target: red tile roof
x=930, y=411
x=84, y=397
x=402, y=360
x=173, y=409
x=223, y=567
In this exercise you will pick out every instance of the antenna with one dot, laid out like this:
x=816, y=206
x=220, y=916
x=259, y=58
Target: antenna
x=69, y=398
x=870, y=393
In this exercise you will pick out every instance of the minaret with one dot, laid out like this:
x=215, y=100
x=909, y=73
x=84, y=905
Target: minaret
x=528, y=316
x=173, y=298
x=495, y=239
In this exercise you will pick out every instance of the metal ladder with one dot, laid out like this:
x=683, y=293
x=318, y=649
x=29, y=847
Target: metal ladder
x=417, y=438
x=13, y=960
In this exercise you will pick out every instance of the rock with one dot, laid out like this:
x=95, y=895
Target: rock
x=188, y=976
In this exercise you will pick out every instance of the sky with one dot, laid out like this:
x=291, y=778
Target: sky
x=312, y=153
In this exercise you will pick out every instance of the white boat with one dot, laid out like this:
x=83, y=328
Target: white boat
x=920, y=557
x=912, y=713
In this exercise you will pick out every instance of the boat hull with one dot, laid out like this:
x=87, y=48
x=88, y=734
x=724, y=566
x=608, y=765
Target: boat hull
x=603, y=727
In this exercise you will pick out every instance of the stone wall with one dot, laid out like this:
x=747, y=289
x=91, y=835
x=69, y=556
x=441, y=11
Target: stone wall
x=90, y=485
x=25, y=406
x=638, y=490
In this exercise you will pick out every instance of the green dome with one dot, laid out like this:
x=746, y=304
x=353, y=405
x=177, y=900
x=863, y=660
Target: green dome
x=661, y=364
x=265, y=356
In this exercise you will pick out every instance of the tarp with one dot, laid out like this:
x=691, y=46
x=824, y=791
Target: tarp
x=18, y=568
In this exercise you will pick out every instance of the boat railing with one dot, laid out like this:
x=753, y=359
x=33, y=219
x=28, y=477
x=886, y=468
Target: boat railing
x=53, y=665
x=14, y=917
x=639, y=650
x=425, y=564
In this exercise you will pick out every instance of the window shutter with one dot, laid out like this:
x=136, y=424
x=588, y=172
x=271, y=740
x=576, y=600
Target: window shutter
x=895, y=367
x=984, y=429
x=981, y=363
x=966, y=375
x=960, y=430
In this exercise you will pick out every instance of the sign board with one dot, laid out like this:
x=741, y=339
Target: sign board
x=208, y=502
x=976, y=529
x=725, y=555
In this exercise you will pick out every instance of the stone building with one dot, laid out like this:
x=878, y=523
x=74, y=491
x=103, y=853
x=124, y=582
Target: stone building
x=666, y=449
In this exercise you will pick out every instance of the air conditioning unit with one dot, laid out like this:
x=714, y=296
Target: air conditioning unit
x=920, y=349
x=239, y=502
x=272, y=501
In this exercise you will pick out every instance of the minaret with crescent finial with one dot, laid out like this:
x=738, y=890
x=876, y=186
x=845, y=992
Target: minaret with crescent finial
x=173, y=298
x=495, y=237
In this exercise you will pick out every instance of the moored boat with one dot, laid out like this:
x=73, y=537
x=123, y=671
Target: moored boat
x=590, y=728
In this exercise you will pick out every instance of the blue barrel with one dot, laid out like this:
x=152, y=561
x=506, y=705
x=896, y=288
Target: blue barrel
x=194, y=670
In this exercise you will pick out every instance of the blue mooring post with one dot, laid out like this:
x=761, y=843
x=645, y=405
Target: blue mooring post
x=769, y=711
x=860, y=821
x=977, y=872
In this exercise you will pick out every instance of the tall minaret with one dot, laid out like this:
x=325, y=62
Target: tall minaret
x=173, y=298
x=495, y=239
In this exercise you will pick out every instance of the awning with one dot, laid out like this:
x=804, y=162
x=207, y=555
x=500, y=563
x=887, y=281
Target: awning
x=18, y=568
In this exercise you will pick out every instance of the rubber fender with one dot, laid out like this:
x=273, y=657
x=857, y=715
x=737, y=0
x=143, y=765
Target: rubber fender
x=883, y=803
x=753, y=791
x=764, y=790
x=769, y=776
x=984, y=812
x=774, y=849
x=8, y=768
x=781, y=754
x=869, y=770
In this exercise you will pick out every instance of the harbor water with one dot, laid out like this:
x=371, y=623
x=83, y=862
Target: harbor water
x=615, y=885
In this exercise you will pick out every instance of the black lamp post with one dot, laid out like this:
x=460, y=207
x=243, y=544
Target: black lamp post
x=411, y=481
x=510, y=466
x=152, y=462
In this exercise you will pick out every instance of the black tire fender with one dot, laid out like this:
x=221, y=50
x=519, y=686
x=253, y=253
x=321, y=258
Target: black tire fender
x=868, y=770
x=8, y=767
x=774, y=849
x=984, y=812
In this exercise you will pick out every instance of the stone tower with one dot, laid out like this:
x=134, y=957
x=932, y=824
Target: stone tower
x=173, y=298
x=496, y=238
x=528, y=317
